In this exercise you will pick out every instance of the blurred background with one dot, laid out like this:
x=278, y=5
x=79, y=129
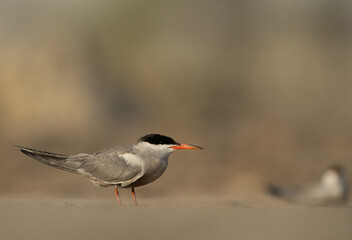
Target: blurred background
x=263, y=86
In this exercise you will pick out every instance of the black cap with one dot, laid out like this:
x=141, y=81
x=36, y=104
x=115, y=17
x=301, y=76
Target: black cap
x=158, y=139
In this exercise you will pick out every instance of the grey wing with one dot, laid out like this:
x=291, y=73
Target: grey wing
x=283, y=192
x=110, y=168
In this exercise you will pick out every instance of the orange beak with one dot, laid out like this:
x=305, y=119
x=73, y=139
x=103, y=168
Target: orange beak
x=185, y=146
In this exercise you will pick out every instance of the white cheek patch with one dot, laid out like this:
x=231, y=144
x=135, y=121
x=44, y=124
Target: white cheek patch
x=331, y=184
x=331, y=178
x=160, y=150
x=132, y=159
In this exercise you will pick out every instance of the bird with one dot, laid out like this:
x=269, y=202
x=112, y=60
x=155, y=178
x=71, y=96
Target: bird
x=127, y=166
x=332, y=188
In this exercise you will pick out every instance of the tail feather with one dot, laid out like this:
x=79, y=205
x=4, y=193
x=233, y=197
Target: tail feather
x=51, y=159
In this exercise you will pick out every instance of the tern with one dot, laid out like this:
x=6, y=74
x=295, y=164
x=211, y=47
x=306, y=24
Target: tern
x=333, y=188
x=122, y=166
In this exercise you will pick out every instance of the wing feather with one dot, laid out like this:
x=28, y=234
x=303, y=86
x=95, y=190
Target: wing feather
x=110, y=167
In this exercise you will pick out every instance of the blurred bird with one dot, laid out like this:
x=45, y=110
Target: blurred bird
x=332, y=188
x=122, y=166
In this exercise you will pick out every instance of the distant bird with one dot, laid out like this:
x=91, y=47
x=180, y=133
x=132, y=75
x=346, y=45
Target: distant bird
x=122, y=166
x=333, y=188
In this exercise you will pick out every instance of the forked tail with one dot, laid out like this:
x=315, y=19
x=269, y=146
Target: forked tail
x=52, y=159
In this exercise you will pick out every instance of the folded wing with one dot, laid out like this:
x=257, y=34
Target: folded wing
x=109, y=167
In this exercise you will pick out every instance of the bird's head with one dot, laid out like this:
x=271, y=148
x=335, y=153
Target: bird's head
x=335, y=180
x=164, y=143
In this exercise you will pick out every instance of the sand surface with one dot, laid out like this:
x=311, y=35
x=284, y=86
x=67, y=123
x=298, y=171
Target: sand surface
x=183, y=218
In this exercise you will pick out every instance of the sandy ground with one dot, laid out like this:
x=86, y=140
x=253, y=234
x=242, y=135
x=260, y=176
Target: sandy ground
x=244, y=217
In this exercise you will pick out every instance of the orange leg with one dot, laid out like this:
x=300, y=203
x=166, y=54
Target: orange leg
x=117, y=195
x=134, y=196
